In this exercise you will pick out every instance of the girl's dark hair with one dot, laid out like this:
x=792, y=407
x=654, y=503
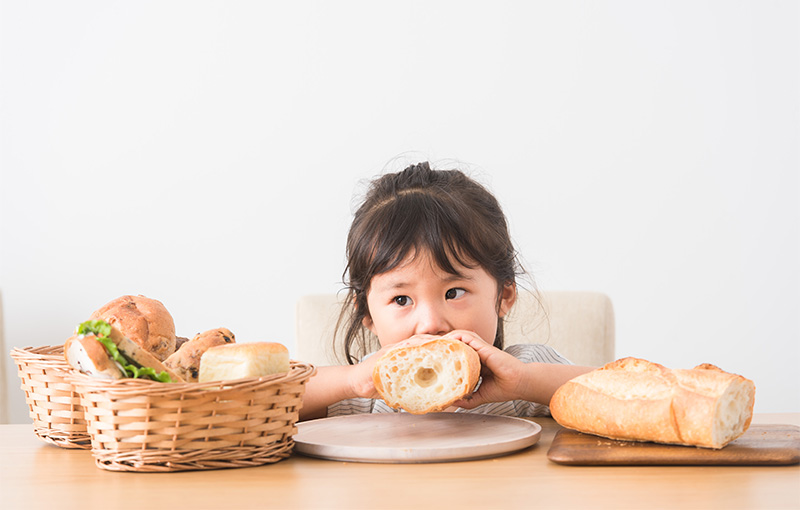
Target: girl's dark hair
x=440, y=212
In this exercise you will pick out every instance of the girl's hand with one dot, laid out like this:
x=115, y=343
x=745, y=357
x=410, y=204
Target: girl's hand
x=332, y=384
x=359, y=377
x=507, y=378
x=503, y=375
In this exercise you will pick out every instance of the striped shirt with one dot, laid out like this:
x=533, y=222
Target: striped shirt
x=527, y=353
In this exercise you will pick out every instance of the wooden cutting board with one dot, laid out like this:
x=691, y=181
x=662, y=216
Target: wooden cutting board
x=761, y=445
x=404, y=438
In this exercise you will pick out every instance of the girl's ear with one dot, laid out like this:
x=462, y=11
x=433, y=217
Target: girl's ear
x=508, y=296
x=367, y=322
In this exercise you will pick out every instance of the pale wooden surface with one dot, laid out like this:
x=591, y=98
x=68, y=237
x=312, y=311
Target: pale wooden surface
x=35, y=475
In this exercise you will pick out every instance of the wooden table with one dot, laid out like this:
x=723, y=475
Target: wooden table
x=36, y=475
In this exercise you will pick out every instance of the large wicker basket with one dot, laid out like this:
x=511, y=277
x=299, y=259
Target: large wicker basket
x=147, y=426
x=53, y=404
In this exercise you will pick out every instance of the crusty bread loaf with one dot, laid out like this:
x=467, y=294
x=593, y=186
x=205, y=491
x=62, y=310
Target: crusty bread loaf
x=425, y=376
x=238, y=361
x=144, y=320
x=634, y=399
x=186, y=360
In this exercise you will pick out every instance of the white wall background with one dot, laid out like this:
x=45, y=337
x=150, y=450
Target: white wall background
x=208, y=154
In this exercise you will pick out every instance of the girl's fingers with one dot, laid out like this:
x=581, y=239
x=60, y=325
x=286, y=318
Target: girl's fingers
x=467, y=403
x=472, y=340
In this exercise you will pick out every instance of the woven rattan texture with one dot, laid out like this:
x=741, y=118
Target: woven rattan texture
x=53, y=404
x=147, y=426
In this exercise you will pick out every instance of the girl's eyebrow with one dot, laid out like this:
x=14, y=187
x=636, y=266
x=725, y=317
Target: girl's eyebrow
x=403, y=283
x=391, y=285
x=458, y=277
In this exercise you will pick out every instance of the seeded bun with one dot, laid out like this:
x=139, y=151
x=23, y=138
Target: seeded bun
x=186, y=360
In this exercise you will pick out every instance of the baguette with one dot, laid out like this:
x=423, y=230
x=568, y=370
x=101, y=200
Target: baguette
x=636, y=400
x=426, y=376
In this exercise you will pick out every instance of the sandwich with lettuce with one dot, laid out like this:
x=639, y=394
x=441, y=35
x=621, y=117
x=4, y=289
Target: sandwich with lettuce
x=100, y=350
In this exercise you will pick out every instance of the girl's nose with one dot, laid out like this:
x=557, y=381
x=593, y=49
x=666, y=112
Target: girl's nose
x=431, y=321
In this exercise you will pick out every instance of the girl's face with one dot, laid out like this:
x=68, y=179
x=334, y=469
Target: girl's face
x=417, y=297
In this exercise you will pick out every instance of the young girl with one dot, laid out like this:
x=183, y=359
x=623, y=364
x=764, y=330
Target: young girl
x=429, y=253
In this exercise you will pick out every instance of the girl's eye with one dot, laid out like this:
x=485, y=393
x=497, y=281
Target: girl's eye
x=454, y=293
x=401, y=300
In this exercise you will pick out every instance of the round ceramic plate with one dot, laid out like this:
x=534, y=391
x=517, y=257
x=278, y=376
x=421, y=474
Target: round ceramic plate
x=409, y=438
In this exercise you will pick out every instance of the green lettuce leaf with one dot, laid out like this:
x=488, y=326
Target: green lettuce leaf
x=99, y=328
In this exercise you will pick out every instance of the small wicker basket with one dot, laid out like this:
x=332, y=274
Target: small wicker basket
x=53, y=404
x=147, y=426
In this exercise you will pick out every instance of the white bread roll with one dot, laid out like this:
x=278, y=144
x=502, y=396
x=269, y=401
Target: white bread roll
x=636, y=400
x=239, y=361
x=426, y=376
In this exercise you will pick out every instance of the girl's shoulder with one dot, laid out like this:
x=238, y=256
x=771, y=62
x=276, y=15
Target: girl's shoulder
x=536, y=353
x=351, y=406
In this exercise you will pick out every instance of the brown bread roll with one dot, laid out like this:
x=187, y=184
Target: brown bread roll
x=145, y=321
x=634, y=399
x=426, y=375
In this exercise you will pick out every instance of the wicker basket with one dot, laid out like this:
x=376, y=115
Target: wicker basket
x=147, y=426
x=53, y=404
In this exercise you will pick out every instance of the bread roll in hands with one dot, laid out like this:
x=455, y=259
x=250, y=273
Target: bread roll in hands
x=633, y=399
x=426, y=375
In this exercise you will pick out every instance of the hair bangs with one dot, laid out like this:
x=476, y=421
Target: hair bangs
x=420, y=222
